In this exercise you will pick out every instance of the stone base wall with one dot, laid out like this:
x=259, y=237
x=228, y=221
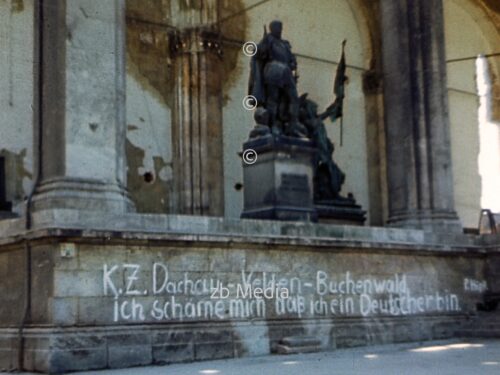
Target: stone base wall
x=493, y=272
x=115, y=298
x=59, y=350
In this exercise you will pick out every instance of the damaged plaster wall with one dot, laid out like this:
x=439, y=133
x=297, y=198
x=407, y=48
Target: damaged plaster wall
x=151, y=86
x=151, y=90
x=148, y=148
x=149, y=102
x=16, y=96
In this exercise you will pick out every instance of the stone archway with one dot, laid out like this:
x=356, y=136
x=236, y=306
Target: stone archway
x=315, y=30
x=472, y=28
x=367, y=15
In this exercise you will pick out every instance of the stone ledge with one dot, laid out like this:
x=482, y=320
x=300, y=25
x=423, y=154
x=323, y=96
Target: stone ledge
x=195, y=228
x=227, y=241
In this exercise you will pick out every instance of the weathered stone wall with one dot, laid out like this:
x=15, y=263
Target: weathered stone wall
x=153, y=284
x=492, y=270
x=13, y=286
x=118, y=298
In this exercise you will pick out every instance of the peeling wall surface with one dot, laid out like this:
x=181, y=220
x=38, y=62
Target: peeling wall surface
x=150, y=95
x=149, y=149
x=469, y=32
x=16, y=95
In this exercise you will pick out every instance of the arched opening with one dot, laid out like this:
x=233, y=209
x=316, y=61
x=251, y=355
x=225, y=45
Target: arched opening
x=489, y=139
x=469, y=32
x=315, y=30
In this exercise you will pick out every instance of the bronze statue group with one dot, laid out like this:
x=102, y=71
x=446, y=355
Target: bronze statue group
x=281, y=112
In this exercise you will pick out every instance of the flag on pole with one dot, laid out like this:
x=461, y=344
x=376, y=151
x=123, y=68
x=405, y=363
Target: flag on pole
x=339, y=89
x=340, y=77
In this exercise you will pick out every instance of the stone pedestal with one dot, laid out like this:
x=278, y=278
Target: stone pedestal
x=278, y=185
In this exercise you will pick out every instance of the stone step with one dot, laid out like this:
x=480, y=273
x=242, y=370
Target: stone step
x=301, y=341
x=489, y=320
x=284, y=349
x=482, y=333
x=494, y=318
x=488, y=317
x=485, y=322
x=481, y=325
x=488, y=314
x=297, y=344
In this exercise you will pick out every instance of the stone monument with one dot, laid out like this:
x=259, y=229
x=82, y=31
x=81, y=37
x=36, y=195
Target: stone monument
x=290, y=174
x=328, y=177
x=330, y=205
x=278, y=184
x=278, y=180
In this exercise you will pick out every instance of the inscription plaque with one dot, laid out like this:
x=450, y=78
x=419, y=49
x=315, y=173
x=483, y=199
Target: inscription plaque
x=294, y=188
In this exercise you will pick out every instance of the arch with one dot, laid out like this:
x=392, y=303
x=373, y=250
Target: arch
x=367, y=17
x=366, y=13
x=470, y=31
x=315, y=30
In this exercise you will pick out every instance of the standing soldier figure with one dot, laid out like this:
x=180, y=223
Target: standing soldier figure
x=273, y=82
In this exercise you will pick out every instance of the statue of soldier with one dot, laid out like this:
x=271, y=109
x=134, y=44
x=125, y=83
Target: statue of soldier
x=273, y=82
x=328, y=177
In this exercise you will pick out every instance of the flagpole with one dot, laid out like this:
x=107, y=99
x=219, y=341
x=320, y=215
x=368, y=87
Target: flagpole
x=342, y=117
x=341, y=130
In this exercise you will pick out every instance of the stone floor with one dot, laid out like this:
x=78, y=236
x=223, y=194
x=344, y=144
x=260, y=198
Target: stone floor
x=443, y=357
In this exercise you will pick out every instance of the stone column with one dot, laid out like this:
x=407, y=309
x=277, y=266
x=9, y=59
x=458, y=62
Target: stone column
x=419, y=171
x=82, y=103
x=197, y=131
